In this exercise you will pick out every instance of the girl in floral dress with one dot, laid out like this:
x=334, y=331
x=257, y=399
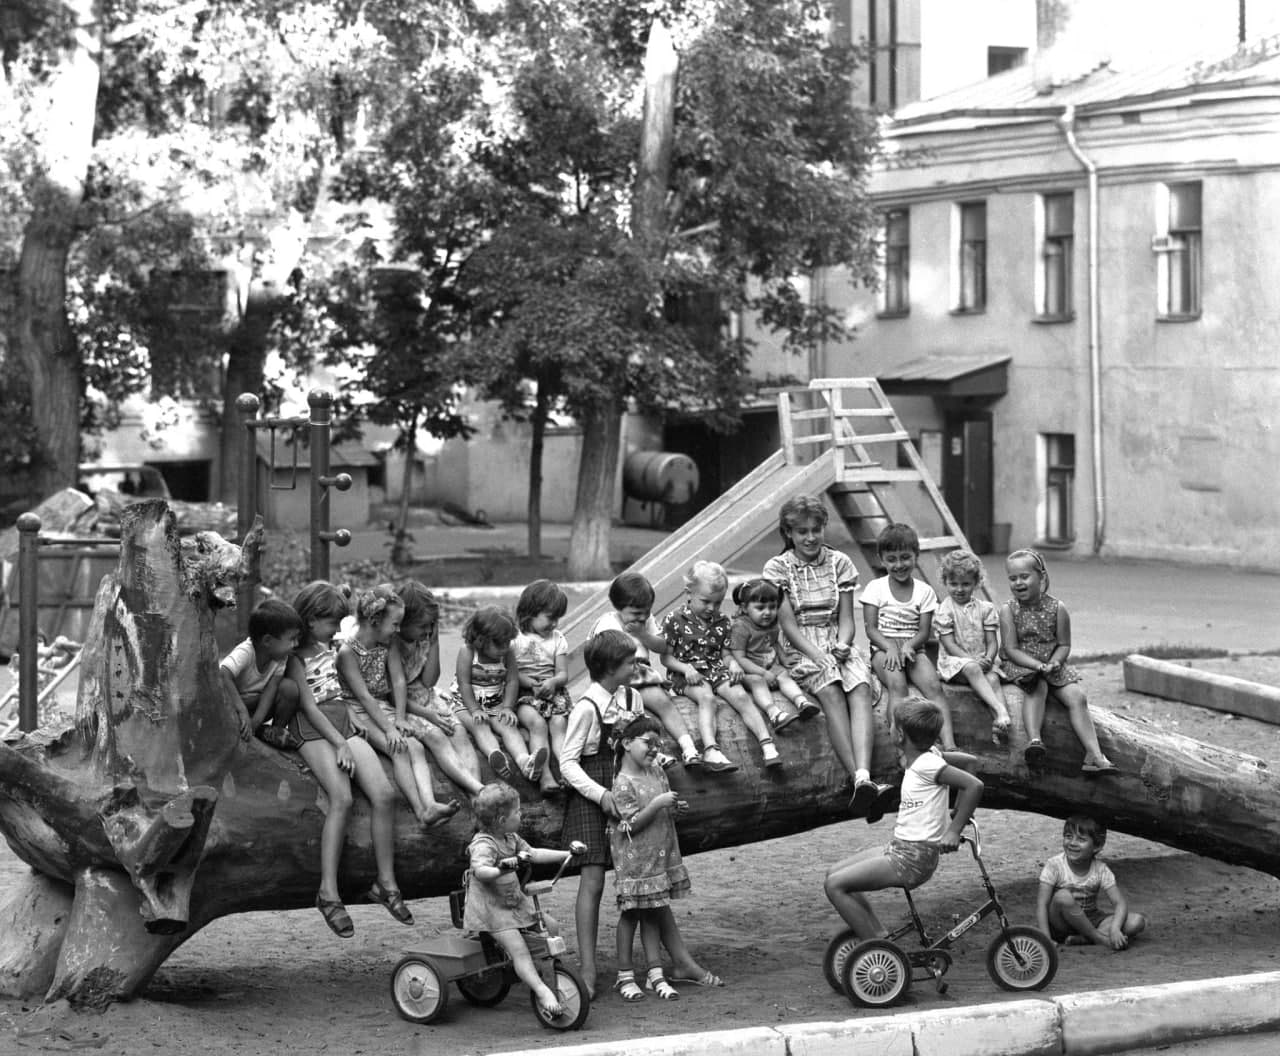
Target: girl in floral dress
x=818, y=630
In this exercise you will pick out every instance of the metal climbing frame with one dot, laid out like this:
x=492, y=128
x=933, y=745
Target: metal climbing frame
x=320, y=423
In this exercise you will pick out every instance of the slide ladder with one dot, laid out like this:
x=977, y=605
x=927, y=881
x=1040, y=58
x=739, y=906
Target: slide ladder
x=840, y=437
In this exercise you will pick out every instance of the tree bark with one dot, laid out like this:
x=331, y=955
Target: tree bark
x=593, y=510
x=246, y=355
x=42, y=334
x=402, y=546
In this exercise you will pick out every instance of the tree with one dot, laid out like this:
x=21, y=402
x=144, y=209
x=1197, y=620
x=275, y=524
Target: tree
x=765, y=183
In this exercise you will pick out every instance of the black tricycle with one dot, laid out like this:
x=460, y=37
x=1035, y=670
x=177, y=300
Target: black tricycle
x=877, y=972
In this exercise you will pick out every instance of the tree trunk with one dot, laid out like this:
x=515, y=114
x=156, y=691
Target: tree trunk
x=149, y=818
x=538, y=429
x=246, y=355
x=402, y=547
x=593, y=510
x=42, y=335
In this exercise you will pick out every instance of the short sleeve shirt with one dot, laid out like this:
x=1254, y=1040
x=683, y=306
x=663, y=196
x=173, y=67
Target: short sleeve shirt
x=759, y=644
x=536, y=655
x=922, y=816
x=1084, y=889
x=699, y=643
x=611, y=621
x=813, y=589
x=899, y=619
x=242, y=665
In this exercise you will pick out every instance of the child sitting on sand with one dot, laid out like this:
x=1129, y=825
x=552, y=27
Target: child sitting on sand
x=1067, y=906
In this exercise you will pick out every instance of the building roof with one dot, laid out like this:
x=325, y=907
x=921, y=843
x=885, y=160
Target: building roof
x=1013, y=94
x=948, y=375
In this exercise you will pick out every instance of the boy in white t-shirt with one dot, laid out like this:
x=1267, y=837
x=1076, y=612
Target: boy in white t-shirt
x=923, y=830
x=1067, y=906
x=251, y=672
x=898, y=611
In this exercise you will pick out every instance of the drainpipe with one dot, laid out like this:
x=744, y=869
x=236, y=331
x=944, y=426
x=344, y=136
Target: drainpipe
x=1067, y=122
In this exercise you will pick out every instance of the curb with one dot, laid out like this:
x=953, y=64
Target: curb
x=1084, y=1024
x=1208, y=689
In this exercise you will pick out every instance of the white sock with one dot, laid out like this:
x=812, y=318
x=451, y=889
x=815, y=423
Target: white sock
x=861, y=775
x=687, y=746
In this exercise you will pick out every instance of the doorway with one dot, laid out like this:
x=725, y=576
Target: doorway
x=967, y=475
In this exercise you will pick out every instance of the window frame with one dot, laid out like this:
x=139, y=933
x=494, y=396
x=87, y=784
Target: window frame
x=896, y=266
x=971, y=293
x=1179, y=249
x=1056, y=476
x=1055, y=282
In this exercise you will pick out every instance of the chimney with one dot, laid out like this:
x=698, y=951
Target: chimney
x=1071, y=41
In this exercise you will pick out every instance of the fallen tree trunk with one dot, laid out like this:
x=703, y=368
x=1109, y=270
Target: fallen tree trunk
x=149, y=818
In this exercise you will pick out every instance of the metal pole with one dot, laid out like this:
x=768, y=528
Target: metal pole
x=28, y=622
x=247, y=501
x=321, y=403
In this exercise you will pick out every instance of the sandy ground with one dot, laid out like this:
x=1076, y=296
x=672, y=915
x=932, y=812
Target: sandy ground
x=271, y=983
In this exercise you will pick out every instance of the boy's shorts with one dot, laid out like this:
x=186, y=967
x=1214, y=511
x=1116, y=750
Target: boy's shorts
x=914, y=862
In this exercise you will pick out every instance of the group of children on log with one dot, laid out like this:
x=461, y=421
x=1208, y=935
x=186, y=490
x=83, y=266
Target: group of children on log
x=787, y=655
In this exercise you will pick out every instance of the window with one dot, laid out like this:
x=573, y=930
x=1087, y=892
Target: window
x=897, y=262
x=1178, y=250
x=1001, y=59
x=971, y=287
x=1057, y=459
x=1055, y=256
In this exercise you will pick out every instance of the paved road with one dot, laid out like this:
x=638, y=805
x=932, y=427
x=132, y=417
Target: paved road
x=1234, y=1045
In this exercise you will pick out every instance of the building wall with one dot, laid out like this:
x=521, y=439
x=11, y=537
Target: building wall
x=1189, y=407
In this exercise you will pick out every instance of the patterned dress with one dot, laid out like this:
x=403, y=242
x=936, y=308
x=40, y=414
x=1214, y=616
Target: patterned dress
x=488, y=686
x=648, y=870
x=969, y=623
x=536, y=658
x=814, y=591
x=1037, y=627
x=321, y=672
x=699, y=643
x=372, y=662
x=499, y=904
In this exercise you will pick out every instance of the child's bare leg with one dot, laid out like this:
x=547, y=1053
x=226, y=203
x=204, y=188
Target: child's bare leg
x=1073, y=698
x=760, y=693
x=536, y=769
x=986, y=684
x=526, y=971
x=322, y=759
x=736, y=697
x=702, y=696
x=1066, y=917
x=651, y=938
x=925, y=678
x=838, y=712
x=789, y=689
x=486, y=740
x=1134, y=923
x=373, y=782
x=626, y=936
x=861, y=725
x=869, y=870
x=442, y=751
x=464, y=747
x=895, y=684
x=586, y=916
x=401, y=769
x=1033, y=708
x=512, y=742
x=433, y=812
x=665, y=710
x=286, y=703
x=683, y=965
x=556, y=726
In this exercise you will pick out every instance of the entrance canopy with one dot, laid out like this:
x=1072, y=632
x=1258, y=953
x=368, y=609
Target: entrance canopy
x=948, y=375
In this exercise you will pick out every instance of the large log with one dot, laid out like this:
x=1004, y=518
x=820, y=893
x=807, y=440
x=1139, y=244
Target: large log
x=149, y=817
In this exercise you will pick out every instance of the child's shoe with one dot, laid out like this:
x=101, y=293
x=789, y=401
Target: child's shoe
x=780, y=719
x=390, y=898
x=336, y=916
x=665, y=761
x=533, y=767
x=1034, y=752
x=770, y=751
x=690, y=758
x=499, y=763
x=807, y=707
x=865, y=793
x=887, y=801
x=657, y=982
x=715, y=760
x=279, y=737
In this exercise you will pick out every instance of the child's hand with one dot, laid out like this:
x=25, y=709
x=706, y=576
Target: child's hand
x=506, y=717
x=735, y=672
x=984, y=662
x=771, y=679
x=544, y=690
x=444, y=721
x=607, y=805
x=244, y=725
x=892, y=658
x=907, y=654
x=478, y=718
x=949, y=841
x=1119, y=940
x=346, y=761
x=694, y=677
x=396, y=741
x=841, y=651
x=666, y=800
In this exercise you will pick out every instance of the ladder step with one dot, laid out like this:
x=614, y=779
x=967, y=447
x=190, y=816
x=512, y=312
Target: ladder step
x=865, y=412
x=873, y=438
x=877, y=475
x=841, y=383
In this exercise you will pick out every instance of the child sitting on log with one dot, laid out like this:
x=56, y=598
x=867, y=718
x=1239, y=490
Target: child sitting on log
x=542, y=664
x=336, y=754
x=251, y=673
x=1067, y=906
x=372, y=677
x=924, y=829
x=418, y=642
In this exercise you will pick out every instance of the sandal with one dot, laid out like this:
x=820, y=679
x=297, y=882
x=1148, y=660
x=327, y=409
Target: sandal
x=336, y=916
x=533, y=766
x=627, y=987
x=1102, y=766
x=390, y=898
x=661, y=987
x=808, y=709
x=707, y=978
x=714, y=761
x=1034, y=752
x=781, y=719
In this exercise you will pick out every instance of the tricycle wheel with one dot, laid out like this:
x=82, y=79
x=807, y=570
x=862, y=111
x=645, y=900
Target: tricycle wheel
x=837, y=953
x=876, y=974
x=574, y=997
x=1022, y=958
x=419, y=989
x=486, y=989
